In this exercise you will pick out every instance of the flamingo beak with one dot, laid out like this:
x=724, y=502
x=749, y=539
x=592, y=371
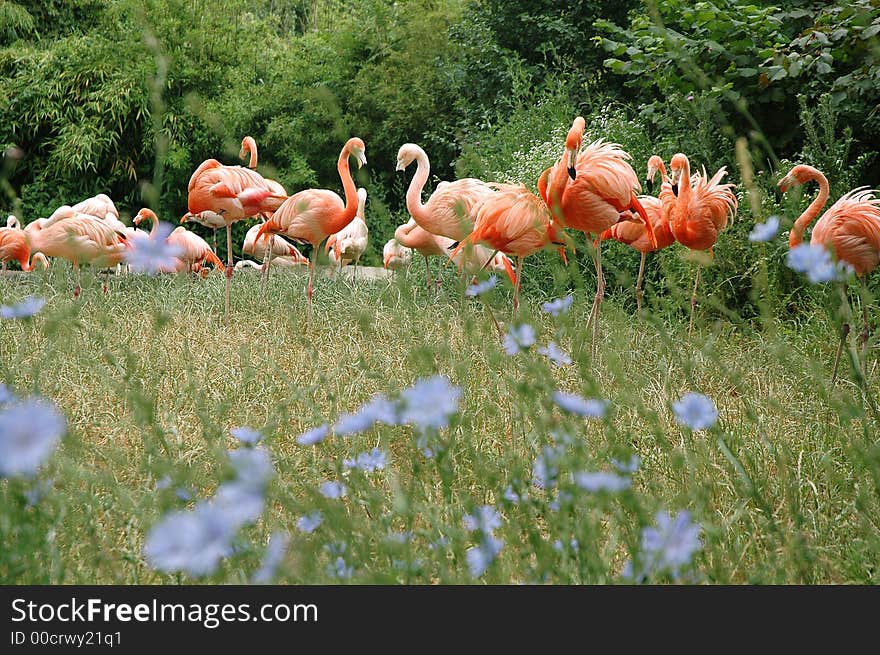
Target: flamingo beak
x=675, y=189
x=784, y=184
x=572, y=160
x=386, y=261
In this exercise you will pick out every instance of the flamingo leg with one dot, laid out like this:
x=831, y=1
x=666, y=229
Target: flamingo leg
x=78, y=288
x=310, y=288
x=215, y=240
x=427, y=272
x=694, y=301
x=639, y=284
x=597, y=301
x=229, y=268
x=844, y=331
x=516, y=287
x=866, y=331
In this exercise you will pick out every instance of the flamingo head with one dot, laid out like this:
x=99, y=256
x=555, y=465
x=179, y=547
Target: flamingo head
x=573, y=144
x=654, y=164
x=358, y=150
x=797, y=175
x=406, y=155
x=13, y=222
x=144, y=215
x=247, y=145
x=266, y=229
x=187, y=217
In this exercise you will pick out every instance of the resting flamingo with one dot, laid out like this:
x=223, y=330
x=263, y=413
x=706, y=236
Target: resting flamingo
x=312, y=215
x=14, y=244
x=850, y=228
x=631, y=230
x=280, y=248
x=395, y=255
x=449, y=210
x=195, y=249
x=472, y=259
x=282, y=261
x=208, y=219
x=587, y=191
x=516, y=222
x=349, y=244
x=99, y=206
x=79, y=238
x=699, y=213
x=234, y=193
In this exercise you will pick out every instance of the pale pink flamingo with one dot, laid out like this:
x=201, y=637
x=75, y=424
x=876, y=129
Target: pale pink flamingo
x=277, y=262
x=312, y=215
x=194, y=249
x=280, y=248
x=350, y=243
x=395, y=255
x=850, y=229
x=699, y=212
x=208, y=219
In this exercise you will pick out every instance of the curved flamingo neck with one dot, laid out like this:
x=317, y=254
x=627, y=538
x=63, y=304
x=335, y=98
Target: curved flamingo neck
x=682, y=201
x=414, y=193
x=249, y=145
x=344, y=217
x=664, y=176
x=800, y=225
x=542, y=186
x=150, y=215
x=558, y=182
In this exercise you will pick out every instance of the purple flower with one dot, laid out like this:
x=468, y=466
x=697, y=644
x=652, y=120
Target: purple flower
x=512, y=496
x=247, y=436
x=545, y=469
x=313, y=436
x=429, y=403
x=253, y=466
x=340, y=569
x=765, y=231
x=190, y=541
x=310, y=522
x=272, y=558
x=627, y=467
x=574, y=404
x=241, y=503
x=378, y=410
x=29, y=432
x=480, y=557
x=25, y=309
x=695, y=411
x=555, y=354
x=484, y=519
x=333, y=489
x=367, y=462
x=482, y=287
x=154, y=253
x=670, y=546
x=558, y=306
x=519, y=338
x=601, y=481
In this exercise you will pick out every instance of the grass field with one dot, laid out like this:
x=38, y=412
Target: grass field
x=784, y=487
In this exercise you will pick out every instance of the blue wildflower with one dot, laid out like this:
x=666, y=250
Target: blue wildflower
x=558, y=306
x=765, y=231
x=367, y=462
x=668, y=547
x=561, y=497
x=340, y=569
x=519, y=338
x=313, y=436
x=378, y=410
x=545, y=469
x=241, y=503
x=6, y=396
x=574, y=404
x=627, y=467
x=601, y=481
x=512, y=496
x=480, y=557
x=333, y=489
x=428, y=404
x=481, y=287
x=247, y=436
x=695, y=411
x=310, y=522
x=24, y=309
x=253, y=466
x=815, y=261
x=29, y=431
x=190, y=541
x=154, y=253
x=484, y=519
x=272, y=558
x=555, y=354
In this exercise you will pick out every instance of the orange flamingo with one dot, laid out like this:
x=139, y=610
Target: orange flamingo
x=195, y=249
x=513, y=220
x=449, y=211
x=235, y=193
x=312, y=215
x=700, y=211
x=587, y=191
x=632, y=232
x=850, y=228
x=14, y=244
x=395, y=256
x=79, y=238
x=349, y=244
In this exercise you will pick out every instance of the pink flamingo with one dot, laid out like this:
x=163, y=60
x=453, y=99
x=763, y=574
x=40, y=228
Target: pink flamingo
x=632, y=231
x=699, y=213
x=395, y=255
x=312, y=215
x=279, y=248
x=350, y=243
x=850, y=228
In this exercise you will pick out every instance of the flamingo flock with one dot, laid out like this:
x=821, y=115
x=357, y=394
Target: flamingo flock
x=475, y=224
